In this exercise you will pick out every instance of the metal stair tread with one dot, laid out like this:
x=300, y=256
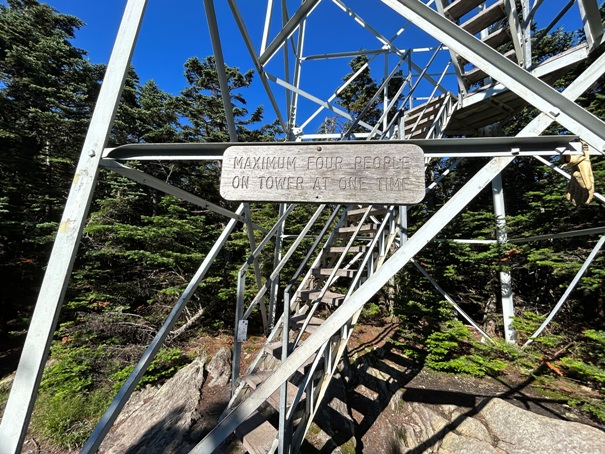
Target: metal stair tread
x=476, y=74
x=427, y=119
x=494, y=39
x=485, y=18
x=257, y=434
x=328, y=298
x=370, y=227
x=254, y=380
x=375, y=211
x=328, y=271
x=274, y=349
x=298, y=320
x=459, y=8
x=341, y=249
x=429, y=106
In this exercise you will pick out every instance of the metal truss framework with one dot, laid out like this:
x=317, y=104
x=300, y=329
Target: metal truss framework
x=479, y=54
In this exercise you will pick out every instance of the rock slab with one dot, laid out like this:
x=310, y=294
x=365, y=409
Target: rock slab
x=157, y=420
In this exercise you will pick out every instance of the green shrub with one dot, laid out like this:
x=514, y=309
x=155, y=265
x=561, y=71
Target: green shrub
x=165, y=365
x=453, y=350
x=588, y=363
x=529, y=322
x=68, y=419
x=586, y=371
x=596, y=409
x=371, y=310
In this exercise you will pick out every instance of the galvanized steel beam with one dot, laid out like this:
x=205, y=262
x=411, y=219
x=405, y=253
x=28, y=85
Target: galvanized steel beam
x=219, y=61
x=287, y=30
x=259, y=66
x=591, y=19
x=506, y=290
x=432, y=148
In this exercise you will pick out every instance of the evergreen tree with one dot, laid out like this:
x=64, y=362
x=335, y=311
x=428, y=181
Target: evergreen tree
x=355, y=98
x=202, y=105
x=357, y=95
x=46, y=93
x=141, y=246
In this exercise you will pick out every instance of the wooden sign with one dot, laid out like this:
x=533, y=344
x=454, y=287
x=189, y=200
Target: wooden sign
x=326, y=173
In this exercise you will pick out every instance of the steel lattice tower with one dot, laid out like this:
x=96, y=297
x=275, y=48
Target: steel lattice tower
x=473, y=70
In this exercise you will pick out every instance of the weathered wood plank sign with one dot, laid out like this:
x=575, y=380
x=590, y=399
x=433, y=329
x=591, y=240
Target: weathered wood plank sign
x=326, y=173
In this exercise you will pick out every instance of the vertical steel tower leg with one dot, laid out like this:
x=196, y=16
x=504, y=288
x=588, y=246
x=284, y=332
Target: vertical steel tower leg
x=508, y=308
x=35, y=352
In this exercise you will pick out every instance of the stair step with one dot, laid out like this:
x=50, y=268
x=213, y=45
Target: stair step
x=429, y=114
x=358, y=212
x=485, y=18
x=494, y=39
x=475, y=75
x=459, y=8
x=257, y=434
x=297, y=321
x=433, y=105
x=427, y=119
x=328, y=271
x=341, y=249
x=329, y=297
x=274, y=349
x=254, y=380
x=498, y=37
x=418, y=132
x=371, y=227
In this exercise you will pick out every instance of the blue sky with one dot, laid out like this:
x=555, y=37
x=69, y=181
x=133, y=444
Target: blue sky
x=173, y=31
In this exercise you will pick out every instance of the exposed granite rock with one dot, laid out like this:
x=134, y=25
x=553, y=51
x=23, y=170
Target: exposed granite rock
x=466, y=420
x=519, y=431
x=219, y=368
x=157, y=420
x=498, y=427
x=365, y=411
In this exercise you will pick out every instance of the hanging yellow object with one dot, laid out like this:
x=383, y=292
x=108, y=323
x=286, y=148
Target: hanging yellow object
x=581, y=187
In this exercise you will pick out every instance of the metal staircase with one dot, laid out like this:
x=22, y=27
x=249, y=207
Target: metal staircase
x=430, y=120
x=354, y=246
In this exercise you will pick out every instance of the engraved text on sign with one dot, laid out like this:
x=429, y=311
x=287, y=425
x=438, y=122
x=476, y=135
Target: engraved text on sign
x=334, y=173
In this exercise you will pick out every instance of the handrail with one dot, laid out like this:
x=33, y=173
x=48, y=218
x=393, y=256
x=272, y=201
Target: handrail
x=431, y=97
x=284, y=260
x=312, y=250
x=241, y=286
x=275, y=330
x=370, y=251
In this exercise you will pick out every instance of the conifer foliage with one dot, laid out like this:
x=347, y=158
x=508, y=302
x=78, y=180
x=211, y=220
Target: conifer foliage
x=47, y=89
